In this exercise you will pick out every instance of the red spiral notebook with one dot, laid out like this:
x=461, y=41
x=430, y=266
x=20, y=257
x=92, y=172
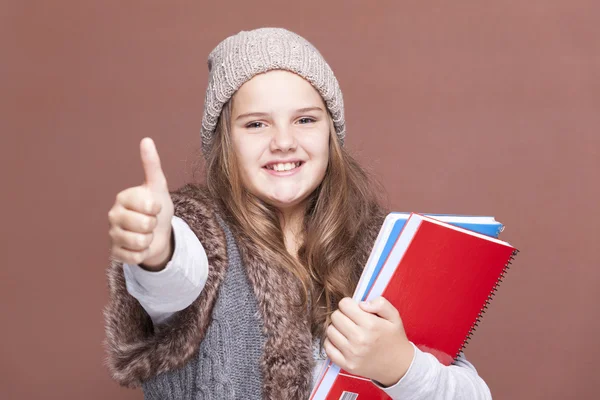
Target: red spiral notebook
x=440, y=278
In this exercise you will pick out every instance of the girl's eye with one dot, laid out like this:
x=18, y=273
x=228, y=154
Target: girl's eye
x=306, y=120
x=255, y=125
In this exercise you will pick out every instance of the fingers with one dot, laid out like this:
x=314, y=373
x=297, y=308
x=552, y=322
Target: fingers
x=337, y=339
x=351, y=309
x=131, y=220
x=380, y=306
x=129, y=247
x=130, y=240
x=344, y=324
x=334, y=353
x=154, y=177
x=128, y=256
x=139, y=199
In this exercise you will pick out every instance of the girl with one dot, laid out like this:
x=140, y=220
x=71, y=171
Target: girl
x=240, y=289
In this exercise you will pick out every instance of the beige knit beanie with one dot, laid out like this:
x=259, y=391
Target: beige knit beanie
x=240, y=57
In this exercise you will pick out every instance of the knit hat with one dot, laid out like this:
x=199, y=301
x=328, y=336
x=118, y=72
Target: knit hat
x=242, y=56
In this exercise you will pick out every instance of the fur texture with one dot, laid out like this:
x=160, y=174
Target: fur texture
x=287, y=360
x=136, y=352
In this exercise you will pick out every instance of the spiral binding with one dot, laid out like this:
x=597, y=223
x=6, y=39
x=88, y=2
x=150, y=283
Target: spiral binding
x=487, y=302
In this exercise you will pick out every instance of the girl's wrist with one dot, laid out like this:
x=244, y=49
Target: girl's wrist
x=403, y=360
x=160, y=262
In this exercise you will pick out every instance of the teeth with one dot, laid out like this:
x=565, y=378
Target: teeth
x=283, y=166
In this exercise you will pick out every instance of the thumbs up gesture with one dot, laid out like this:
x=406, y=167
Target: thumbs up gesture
x=140, y=220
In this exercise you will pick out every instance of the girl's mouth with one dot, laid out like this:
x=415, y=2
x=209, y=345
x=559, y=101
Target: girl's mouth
x=283, y=168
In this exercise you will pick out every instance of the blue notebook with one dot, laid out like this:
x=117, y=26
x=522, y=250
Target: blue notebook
x=391, y=229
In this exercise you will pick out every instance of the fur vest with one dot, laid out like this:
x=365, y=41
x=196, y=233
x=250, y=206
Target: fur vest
x=138, y=351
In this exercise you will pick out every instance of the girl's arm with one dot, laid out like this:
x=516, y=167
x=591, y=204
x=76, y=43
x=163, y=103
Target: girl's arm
x=176, y=286
x=137, y=349
x=428, y=379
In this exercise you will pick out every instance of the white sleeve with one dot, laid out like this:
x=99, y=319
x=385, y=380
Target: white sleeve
x=428, y=379
x=176, y=286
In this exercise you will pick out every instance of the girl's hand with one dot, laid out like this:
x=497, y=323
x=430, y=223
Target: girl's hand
x=140, y=220
x=368, y=339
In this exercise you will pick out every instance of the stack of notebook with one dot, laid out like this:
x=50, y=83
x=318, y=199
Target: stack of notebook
x=440, y=272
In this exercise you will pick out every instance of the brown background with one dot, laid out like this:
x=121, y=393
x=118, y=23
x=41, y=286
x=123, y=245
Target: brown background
x=471, y=107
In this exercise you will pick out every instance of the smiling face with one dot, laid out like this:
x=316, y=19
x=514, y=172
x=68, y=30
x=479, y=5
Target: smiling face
x=280, y=131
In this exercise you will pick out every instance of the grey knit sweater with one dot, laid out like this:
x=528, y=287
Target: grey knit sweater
x=225, y=366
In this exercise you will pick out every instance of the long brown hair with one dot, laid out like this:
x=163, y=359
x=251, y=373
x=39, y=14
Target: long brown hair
x=327, y=266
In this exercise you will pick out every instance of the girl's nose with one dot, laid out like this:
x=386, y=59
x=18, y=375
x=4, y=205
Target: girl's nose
x=283, y=139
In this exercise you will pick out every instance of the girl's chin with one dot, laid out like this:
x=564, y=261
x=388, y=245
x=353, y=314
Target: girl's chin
x=285, y=201
x=283, y=196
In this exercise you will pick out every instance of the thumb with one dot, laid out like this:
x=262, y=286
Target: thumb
x=154, y=177
x=381, y=307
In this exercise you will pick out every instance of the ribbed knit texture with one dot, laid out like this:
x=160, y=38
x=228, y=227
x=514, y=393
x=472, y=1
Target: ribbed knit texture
x=227, y=365
x=242, y=56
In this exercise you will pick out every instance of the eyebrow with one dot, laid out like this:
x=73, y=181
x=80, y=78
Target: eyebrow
x=262, y=114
